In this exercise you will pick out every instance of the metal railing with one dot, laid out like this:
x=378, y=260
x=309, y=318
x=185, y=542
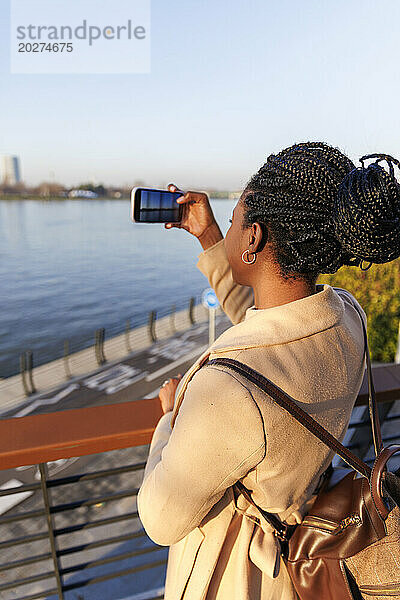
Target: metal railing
x=128, y=426
x=53, y=534
x=68, y=347
x=79, y=432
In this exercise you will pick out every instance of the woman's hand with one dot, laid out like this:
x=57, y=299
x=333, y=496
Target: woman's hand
x=167, y=393
x=197, y=217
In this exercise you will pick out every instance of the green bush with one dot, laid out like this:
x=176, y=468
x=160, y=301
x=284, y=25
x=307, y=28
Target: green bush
x=378, y=292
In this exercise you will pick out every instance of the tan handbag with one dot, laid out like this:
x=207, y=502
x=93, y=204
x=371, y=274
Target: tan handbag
x=348, y=546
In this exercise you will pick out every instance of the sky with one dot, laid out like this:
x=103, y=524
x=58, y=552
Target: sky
x=231, y=82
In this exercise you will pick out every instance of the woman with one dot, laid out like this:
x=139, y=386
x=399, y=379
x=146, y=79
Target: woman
x=307, y=211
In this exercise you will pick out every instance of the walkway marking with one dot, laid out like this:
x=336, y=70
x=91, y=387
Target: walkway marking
x=176, y=363
x=46, y=401
x=174, y=348
x=7, y=502
x=114, y=379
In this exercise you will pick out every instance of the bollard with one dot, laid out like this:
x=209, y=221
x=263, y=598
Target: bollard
x=66, y=360
x=191, y=313
x=172, y=319
x=152, y=321
x=127, y=338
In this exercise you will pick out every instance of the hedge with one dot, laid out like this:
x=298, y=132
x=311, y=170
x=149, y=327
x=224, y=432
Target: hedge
x=378, y=292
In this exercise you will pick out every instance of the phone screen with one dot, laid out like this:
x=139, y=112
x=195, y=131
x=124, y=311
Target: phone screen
x=157, y=206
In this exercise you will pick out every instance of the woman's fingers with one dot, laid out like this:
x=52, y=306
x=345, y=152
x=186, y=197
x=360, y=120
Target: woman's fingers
x=186, y=196
x=173, y=188
x=197, y=214
x=169, y=225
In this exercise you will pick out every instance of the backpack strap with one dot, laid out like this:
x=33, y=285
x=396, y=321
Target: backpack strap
x=289, y=405
x=373, y=406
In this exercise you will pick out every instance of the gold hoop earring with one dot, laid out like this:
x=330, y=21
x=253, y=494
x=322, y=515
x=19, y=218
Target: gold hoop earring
x=365, y=268
x=248, y=262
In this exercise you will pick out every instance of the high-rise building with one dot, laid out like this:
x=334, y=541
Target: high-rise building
x=9, y=170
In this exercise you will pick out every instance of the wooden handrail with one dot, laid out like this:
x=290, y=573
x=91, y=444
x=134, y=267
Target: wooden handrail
x=77, y=432
x=81, y=431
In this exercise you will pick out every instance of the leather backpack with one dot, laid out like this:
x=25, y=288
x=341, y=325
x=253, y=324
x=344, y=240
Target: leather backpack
x=348, y=546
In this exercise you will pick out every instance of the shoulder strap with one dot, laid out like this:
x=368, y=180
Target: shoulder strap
x=287, y=403
x=373, y=407
x=282, y=530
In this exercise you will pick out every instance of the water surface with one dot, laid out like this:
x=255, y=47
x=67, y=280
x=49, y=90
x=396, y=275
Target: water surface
x=70, y=267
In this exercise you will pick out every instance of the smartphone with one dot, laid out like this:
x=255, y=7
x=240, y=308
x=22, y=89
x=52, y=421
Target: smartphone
x=155, y=206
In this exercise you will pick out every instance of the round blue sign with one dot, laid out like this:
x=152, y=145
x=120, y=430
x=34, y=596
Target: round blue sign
x=209, y=298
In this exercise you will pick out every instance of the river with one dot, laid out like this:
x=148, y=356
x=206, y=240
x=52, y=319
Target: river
x=70, y=267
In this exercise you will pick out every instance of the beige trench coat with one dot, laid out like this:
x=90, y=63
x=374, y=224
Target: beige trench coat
x=223, y=429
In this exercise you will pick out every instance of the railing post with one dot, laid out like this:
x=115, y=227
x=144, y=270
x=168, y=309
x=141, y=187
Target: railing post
x=152, y=320
x=66, y=359
x=102, y=338
x=96, y=346
x=22, y=362
x=29, y=355
x=397, y=358
x=50, y=528
x=26, y=365
x=127, y=338
x=211, y=326
x=191, y=308
x=172, y=318
x=99, y=346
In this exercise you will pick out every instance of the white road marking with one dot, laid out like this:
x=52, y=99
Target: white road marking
x=115, y=378
x=176, y=363
x=173, y=348
x=119, y=385
x=46, y=401
x=7, y=502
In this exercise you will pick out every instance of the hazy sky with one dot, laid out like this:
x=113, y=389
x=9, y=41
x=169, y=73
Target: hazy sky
x=231, y=81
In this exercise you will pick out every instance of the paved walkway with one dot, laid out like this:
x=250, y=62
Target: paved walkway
x=177, y=340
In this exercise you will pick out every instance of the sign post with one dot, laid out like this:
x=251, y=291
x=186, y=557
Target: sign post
x=210, y=301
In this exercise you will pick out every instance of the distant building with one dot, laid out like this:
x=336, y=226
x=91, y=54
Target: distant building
x=82, y=194
x=10, y=172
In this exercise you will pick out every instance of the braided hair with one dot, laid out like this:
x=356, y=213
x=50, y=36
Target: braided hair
x=323, y=212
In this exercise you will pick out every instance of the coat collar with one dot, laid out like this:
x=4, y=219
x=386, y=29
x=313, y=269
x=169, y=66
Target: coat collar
x=285, y=323
x=270, y=326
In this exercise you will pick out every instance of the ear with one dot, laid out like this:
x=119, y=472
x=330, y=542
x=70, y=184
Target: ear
x=258, y=236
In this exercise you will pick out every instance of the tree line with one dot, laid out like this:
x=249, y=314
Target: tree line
x=378, y=292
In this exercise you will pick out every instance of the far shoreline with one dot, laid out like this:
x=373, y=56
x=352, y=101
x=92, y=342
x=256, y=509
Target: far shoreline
x=19, y=197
